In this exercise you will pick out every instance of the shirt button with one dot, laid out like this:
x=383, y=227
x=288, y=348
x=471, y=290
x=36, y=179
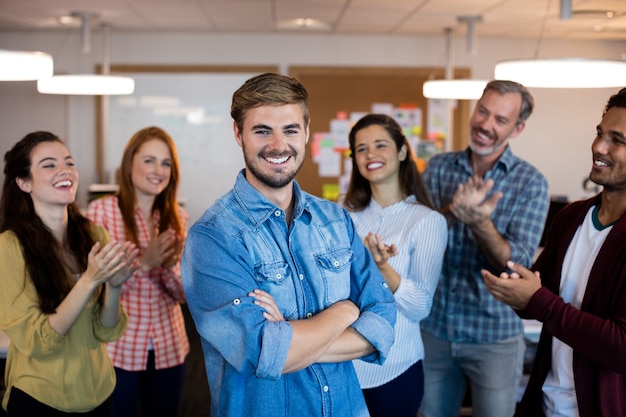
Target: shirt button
x=326, y=388
x=277, y=213
x=279, y=276
x=335, y=263
x=236, y=301
x=301, y=277
x=385, y=285
x=309, y=315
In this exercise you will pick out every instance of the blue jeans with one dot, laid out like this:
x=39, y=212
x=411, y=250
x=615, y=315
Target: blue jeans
x=494, y=372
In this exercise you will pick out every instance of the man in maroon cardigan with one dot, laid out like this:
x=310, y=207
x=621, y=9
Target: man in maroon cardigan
x=578, y=291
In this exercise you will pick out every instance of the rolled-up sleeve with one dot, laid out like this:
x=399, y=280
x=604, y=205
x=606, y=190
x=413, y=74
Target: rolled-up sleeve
x=217, y=276
x=527, y=222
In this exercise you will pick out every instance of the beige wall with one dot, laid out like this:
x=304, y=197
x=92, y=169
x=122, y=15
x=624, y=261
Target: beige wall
x=556, y=140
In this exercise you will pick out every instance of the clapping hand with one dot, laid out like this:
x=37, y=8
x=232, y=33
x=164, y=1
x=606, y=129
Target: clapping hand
x=163, y=249
x=470, y=204
x=110, y=261
x=131, y=251
x=173, y=259
x=379, y=250
x=515, y=288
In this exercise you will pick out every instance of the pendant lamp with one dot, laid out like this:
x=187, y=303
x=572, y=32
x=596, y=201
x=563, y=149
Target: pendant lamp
x=89, y=84
x=563, y=72
x=457, y=89
x=24, y=65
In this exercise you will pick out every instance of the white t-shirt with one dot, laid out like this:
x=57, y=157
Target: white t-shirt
x=559, y=394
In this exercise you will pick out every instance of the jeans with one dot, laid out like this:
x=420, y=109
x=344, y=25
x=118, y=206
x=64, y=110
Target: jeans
x=494, y=372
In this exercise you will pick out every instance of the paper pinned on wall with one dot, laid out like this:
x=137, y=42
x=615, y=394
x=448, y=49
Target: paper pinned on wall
x=355, y=116
x=329, y=162
x=316, y=143
x=340, y=128
x=344, y=180
x=330, y=191
x=383, y=108
x=438, y=119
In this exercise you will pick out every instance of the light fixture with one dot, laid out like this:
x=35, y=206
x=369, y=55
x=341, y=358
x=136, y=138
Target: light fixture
x=89, y=84
x=86, y=84
x=454, y=89
x=562, y=72
x=24, y=65
x=565, y=10
x=303, y=23
x=470, y=22
x=457, y=89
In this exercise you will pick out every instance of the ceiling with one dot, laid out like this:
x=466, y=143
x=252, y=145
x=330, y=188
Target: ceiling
x=590, y=19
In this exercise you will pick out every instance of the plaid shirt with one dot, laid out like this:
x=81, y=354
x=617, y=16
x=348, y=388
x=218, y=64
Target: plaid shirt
x=463, y=309
x=151, y=299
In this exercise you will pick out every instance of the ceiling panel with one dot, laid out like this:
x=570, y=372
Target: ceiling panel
x=500, y=18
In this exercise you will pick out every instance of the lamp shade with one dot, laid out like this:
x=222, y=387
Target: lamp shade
x=454, y=89
x=86, y=84
x=24, y=65
x=563, y=72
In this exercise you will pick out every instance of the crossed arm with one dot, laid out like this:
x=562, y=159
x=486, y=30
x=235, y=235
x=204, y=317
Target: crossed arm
x=325, y=337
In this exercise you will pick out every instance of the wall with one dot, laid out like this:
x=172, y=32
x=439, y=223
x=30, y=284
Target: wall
x=557, y=138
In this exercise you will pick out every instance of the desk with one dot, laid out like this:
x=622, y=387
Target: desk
x=532, y=330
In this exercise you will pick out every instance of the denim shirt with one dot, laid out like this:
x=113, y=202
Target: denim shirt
x=242, y=243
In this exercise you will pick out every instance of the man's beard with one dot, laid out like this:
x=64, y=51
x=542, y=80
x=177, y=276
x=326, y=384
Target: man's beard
x=273, y=180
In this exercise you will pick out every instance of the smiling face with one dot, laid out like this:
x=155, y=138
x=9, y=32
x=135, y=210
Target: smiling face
x=609, y=151
x=377, y=156
x=494, y=122
x=53, y=176
x=151, y=168
x=273, y=140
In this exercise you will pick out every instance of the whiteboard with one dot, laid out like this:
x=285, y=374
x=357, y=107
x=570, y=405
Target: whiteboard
x=195, y=110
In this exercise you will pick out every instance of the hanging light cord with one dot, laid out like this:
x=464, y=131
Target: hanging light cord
x=543, y=28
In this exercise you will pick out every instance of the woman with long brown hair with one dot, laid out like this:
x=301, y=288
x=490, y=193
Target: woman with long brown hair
x=391, y=210
x=149, y=358
x=60, y=283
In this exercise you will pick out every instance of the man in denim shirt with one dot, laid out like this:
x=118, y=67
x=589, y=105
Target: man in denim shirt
x=280, y=287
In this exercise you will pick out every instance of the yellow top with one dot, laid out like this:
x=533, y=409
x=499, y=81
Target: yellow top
x=71, y=373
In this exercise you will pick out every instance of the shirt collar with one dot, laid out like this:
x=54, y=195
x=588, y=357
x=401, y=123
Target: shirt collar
x=257, y=207
x=506, y=160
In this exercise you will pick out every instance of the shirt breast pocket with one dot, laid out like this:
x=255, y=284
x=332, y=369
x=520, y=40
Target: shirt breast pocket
x=335, y=268
x=275, y=279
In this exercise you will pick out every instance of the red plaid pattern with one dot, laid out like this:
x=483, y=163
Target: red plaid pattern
x=151, y=299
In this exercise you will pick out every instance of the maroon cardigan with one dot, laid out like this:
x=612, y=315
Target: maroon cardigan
x=596, y=332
